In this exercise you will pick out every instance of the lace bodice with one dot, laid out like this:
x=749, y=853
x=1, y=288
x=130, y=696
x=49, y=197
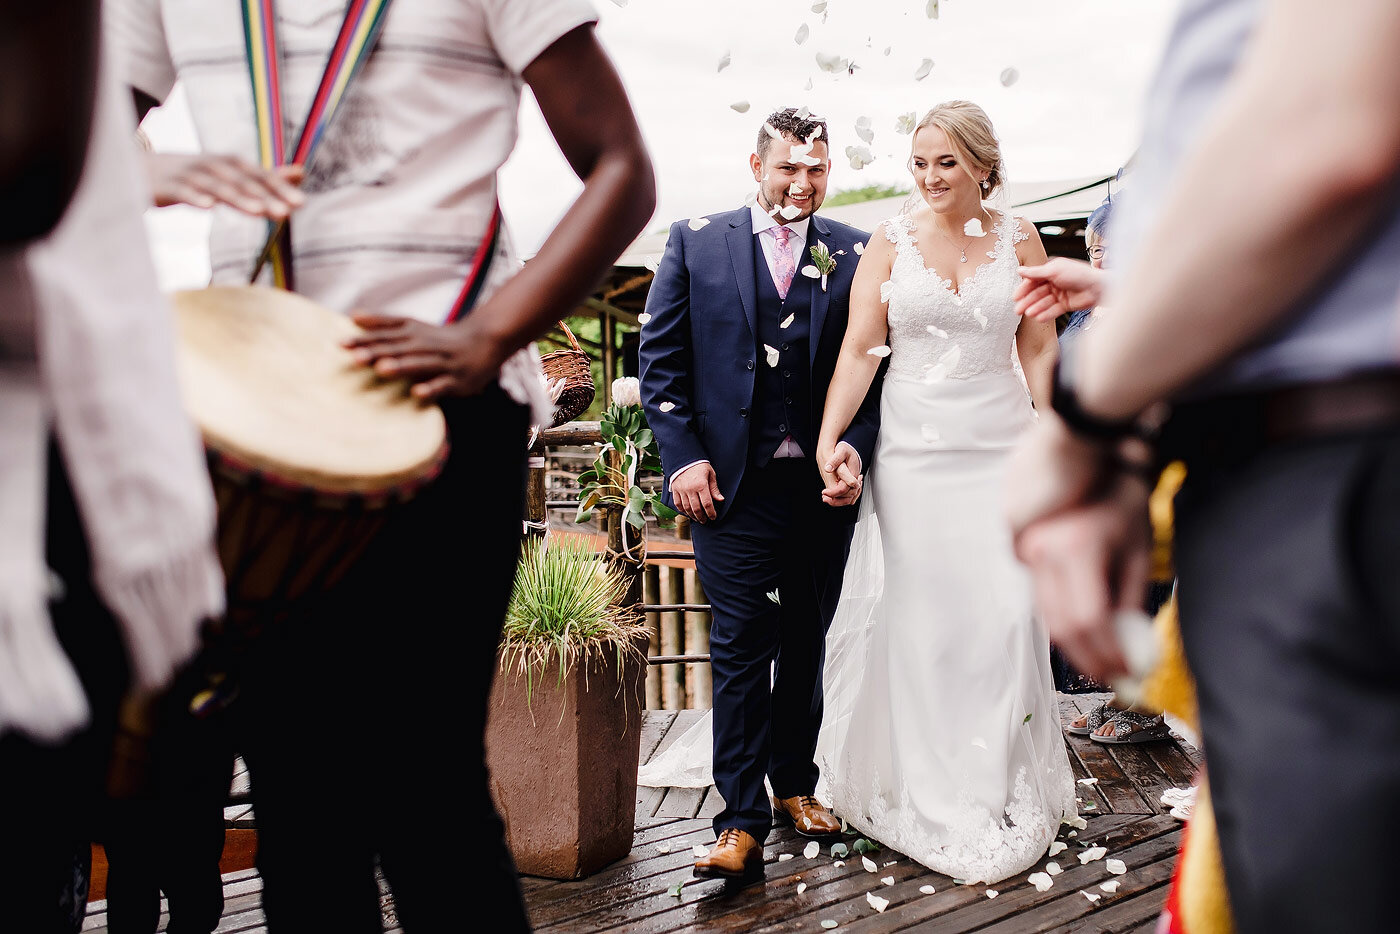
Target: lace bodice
x=937, y=333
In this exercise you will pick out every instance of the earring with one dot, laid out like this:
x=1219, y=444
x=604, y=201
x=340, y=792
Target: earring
x=986, y=185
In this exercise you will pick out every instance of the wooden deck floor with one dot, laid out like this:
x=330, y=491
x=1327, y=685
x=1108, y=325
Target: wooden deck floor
x=634, y=895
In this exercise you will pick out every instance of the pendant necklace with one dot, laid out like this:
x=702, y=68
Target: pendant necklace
x=962, y=251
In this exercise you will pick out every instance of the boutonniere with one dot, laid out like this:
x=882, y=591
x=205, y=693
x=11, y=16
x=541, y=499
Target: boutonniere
x=823, y=263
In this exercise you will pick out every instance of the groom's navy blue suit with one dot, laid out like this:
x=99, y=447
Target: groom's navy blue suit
x=711, y=394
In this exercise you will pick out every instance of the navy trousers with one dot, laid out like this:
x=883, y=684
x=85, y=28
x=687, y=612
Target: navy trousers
x=778, y=538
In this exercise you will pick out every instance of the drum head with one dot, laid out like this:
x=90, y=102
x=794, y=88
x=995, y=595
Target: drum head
x=265, y=378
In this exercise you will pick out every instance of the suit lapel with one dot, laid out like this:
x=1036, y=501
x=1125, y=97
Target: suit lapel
x=741, y=256
x=821, y=299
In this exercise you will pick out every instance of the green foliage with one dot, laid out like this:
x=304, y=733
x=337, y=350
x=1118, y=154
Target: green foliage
x=868, y=193
x=566, y=607
x=629, y=450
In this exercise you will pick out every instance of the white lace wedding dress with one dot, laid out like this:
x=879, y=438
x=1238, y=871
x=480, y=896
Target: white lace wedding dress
x=941, y=737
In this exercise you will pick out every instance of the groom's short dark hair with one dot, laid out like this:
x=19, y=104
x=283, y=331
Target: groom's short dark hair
x=790, y=125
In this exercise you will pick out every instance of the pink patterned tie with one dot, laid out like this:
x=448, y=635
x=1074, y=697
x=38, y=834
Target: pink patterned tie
x=784, y=265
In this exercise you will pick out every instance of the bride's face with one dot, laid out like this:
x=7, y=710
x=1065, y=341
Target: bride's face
x=940, y=177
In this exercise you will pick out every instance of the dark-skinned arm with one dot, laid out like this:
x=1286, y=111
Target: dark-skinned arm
x=598, y=135
x=48, y=81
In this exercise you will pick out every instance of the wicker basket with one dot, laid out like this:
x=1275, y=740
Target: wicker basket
x=571, y=366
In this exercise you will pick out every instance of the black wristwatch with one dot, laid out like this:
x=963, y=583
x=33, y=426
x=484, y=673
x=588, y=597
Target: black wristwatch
x=1065, y=401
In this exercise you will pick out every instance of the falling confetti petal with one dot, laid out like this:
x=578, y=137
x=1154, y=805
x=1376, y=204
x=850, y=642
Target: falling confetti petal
x=886, y=290
x=937, y=332
x=697, y=223
x=992, y=893
x=834, y=64
x=890, y=863
x=839, y=863
x=869, y=864
x=888, y=49
x=666, y=406
x=1115, y=866
x=620, y=3
x=1041, y=881
x=926, y=889
x=905, y=123
x=643, y=318
x=699, y=850
x=876, y=902
x=787, y=322
x=863, y=129
x=803, y=112
x=772, y=361
x=795, y=189
x=859, y=248
x=801, y=887
x=1091, y=854
x=930, y=433
x=923, y=70
x=819, y=6
x=1076, y=821
x=1057, y=847
x=812, y=849
x=1091, y=897
x=741, y=107
x=882, y=351
x=663, y=848
x=888, y=880
x=784, y=857
x=803, y=32
x=829, y=925
x=1009, y=77
x=860, y=156
x=1088, y=781
x=790, y=211
x=808, y=85
x=932, y=9
x=811, y=272
x=771, y=131
x=982, y=320
x=1111, y=886
x=723, y=61
x=973, y=228
x=1053, y=868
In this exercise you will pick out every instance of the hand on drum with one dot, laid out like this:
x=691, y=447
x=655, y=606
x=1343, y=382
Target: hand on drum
x=206, y=180
x=1058, y=287
x=439, y=360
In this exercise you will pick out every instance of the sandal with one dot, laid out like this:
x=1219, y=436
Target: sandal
x=1092, y=720
x=1130, y=727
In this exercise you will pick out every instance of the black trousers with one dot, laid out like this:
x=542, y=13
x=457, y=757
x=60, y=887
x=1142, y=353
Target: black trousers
x=778, y=536
x=1288, y=563
x=53, y=794
x=363, y=724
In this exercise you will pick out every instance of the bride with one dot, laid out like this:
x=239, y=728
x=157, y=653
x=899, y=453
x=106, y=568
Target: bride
x=941, y=737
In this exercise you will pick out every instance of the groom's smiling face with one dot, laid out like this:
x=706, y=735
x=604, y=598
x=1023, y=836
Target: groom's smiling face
x=788, y=180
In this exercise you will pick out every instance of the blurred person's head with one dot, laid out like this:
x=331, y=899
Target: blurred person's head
x=956, y=158
x=1096, y=234
x=786, y=178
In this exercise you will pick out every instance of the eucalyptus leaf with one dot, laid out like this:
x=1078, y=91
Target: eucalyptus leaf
x=636, y=520
x=866, y=846
x=643, y=439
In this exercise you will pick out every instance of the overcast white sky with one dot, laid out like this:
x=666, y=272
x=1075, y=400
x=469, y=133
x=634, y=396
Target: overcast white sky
x=1084, y=66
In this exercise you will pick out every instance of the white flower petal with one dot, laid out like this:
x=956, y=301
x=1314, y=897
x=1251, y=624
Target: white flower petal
x=1075, y=821
x=1115, y=866
x=922, y=71
x=808, y=85
x=741, y=107
x=973, y=228
x=795, y=189
x=784, y=857
x=926, y=890
x=829, y=925
x=723, y=61
x=787, y=322
x=801, y=887
x=1057, y=847
x=663, y=848
x=931, y=9
x=1093, y=899
x=1091, y=854
x=812, y=849
x=937, y=332
x=834, y=64
x=772, y=132
x=839, y=863
x=620, y=3
x=803, y=32
x=773, y=211
x=888, y=50
x=886, y=290
x=790, y=211
x=1053, y=868
x=1110, y=886
x=859, y=248
x=1009, y=77
x=773, y=594
x=808, y=160
x=666, y=406
x=888, y=880
x=869, y=864
x=1041, y=881
x=803, y=112
x=643, y=318
x=698, y=223
x=992, y=893
x=811, y=272
x=819, y=6
x=699, y=850
x=930, y=433
x=876, y=902
x=881, y=351
x=904, y=124
x=1088, y=781
x=980, y=318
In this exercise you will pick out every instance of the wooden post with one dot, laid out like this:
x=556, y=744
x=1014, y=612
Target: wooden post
x=609, y=335
x=672, y=640
x=651, y=593
x=536, y=515
x=697, y=642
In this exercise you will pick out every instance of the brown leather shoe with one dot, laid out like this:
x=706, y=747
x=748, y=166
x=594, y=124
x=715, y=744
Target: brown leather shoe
x=737, y=855
x=807, y=816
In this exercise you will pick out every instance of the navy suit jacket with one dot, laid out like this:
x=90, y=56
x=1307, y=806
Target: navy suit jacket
x=700, y=348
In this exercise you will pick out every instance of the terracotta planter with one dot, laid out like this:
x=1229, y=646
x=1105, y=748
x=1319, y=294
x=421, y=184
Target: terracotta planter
x=564, y=765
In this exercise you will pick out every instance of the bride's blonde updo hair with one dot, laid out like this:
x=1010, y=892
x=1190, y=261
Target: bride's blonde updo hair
x=969, y=131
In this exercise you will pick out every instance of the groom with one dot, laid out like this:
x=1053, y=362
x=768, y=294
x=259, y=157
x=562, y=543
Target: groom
x=736, y=359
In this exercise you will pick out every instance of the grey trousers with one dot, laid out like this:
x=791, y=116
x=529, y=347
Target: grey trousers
x=1288, y=563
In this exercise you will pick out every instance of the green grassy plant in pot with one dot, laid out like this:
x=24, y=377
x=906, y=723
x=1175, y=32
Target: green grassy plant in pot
x=565, y=723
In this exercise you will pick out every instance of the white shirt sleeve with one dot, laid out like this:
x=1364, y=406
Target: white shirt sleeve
x=135, y=36
x=522, y=29
x=685, y=468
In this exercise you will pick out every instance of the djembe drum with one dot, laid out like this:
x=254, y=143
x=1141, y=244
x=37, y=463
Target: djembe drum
x=309, y=454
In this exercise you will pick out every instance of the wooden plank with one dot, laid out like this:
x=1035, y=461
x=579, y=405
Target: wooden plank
x=655, y=723
x=1137, y=763
x=712, y=805
x=681, y=802
x=1179, y=768
x=1119, y=912
x=648, y=800
x=1116, y=787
